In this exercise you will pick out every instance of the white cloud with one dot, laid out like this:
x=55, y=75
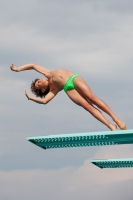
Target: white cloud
x=104, y=51
x=114, y=152
x=63, y=183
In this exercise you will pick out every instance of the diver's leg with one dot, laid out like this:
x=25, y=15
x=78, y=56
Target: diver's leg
x=81, y=101
x=82, y=87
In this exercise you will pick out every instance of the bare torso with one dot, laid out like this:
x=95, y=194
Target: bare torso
x=57, y=78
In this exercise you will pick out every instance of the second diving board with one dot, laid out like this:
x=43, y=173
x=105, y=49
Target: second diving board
x=83, y=139
x=114, y=163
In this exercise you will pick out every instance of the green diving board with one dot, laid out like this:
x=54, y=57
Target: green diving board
x=83, y=139
x=113, y=163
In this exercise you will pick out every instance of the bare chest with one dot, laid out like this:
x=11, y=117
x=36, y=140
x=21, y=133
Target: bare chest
x=58, y=78
x=56, y=82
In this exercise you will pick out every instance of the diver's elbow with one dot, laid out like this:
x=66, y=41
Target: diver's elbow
x=45, y=102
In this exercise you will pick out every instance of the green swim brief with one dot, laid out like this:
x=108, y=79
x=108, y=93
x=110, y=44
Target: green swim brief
x=69, y=85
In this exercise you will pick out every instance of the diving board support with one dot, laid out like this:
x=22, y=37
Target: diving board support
x=83, y=139
x=114, y=163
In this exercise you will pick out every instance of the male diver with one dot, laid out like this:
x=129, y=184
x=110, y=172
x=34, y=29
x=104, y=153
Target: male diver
x=74, y=86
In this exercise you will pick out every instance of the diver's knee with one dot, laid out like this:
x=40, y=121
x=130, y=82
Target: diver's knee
x=92, y=98
x=87, y=106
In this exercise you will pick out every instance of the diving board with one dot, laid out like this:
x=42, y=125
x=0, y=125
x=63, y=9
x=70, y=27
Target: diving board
x=83, y=139
x=113, y=163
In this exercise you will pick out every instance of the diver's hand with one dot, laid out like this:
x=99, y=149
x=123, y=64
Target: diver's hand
x=27, y=95
x=13, y=68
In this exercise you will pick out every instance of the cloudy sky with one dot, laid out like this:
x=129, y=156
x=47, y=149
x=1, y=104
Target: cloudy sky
x=93, y=39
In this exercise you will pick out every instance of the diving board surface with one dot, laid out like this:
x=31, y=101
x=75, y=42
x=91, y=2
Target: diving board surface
x=113, y=163
x=83, y=139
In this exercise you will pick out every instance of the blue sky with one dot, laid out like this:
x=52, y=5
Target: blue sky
x=93, y=39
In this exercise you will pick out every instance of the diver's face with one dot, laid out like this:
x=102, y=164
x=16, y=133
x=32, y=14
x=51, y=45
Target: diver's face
x=41, y=84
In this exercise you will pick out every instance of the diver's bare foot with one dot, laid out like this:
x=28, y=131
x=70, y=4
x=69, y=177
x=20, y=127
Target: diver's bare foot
x=121, y=124
x=113, y=127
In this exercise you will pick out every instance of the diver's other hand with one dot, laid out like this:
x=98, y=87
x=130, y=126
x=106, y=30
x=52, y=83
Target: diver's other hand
x=13, y=68
x=27, y=95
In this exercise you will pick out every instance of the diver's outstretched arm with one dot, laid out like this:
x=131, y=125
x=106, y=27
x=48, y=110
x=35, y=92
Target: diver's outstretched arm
x=45, y=100
x=30, y=66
